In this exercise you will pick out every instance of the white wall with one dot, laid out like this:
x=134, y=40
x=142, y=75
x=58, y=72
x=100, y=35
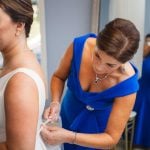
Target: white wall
x=64, y=20
x=104, y=13
x=147, y=17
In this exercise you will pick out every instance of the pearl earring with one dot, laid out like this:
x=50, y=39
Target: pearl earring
x=17, y=33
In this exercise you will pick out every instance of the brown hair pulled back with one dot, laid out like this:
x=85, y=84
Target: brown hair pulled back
x=19, y=11
x=119, y=39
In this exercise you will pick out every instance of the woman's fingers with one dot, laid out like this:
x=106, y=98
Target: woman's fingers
x=52, y=112
x=45, y=133
x=51, y=128
x=47, y=113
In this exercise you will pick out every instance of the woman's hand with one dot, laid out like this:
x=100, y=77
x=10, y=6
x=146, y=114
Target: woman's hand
x=52, y=112
x=54, y=135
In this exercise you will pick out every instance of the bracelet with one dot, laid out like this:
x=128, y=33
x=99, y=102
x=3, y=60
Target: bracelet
x=75, y=137
x=55, y=102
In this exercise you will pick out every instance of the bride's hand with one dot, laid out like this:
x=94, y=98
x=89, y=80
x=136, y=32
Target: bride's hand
x=53, y=111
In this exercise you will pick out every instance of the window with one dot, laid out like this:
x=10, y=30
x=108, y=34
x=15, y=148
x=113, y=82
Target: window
x=34, y=40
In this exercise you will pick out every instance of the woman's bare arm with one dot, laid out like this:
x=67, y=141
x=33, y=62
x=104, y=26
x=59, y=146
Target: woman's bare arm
x=3, y=146
x=119, y=116
x=61, y=74
x=21, y=109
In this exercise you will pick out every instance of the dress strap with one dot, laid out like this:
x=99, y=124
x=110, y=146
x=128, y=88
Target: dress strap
x=32, y=74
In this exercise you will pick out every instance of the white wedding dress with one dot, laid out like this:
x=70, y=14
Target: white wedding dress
x=39, y=145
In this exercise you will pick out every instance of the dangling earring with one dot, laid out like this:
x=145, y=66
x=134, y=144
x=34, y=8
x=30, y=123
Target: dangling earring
x=17, y=33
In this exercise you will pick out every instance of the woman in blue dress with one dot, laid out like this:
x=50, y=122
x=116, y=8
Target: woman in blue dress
x=101, y=89
x=142, y=105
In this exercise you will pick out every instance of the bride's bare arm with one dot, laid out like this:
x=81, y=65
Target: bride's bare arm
x=21, y=108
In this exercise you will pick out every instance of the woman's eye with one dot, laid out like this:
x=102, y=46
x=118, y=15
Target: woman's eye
x=110, y=65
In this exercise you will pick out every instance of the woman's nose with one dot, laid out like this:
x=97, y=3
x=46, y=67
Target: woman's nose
x=100, y=68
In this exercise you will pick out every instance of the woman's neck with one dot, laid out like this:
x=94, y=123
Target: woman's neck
x=10, y=53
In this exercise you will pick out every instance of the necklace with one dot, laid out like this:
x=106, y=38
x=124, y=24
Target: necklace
x=98, y=79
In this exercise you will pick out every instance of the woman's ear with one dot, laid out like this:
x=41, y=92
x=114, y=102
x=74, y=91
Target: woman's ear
x=20, y=28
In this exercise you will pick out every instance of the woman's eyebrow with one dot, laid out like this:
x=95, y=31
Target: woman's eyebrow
x=99, y=55
x=111, y=64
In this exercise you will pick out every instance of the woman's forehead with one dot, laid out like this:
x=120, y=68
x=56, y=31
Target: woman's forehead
x=105, y=57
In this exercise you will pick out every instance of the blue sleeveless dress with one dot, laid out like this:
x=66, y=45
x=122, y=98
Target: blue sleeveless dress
x=142, y=107
x=88, y=112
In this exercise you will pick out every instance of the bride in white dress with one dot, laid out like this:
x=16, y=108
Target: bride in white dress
x=22, y=83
